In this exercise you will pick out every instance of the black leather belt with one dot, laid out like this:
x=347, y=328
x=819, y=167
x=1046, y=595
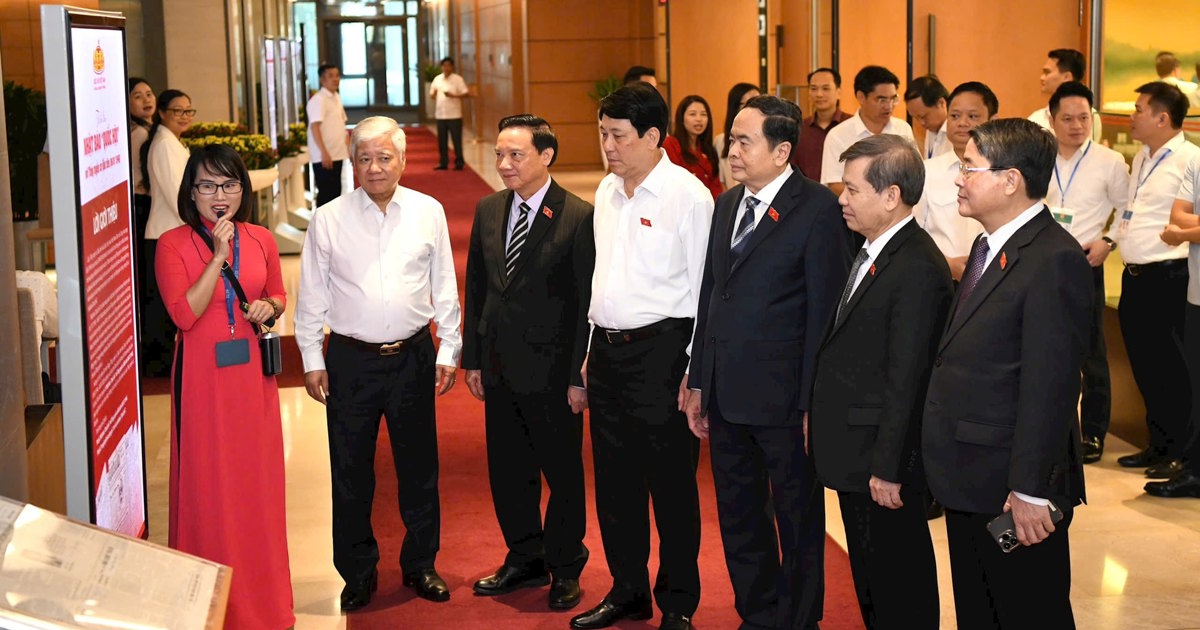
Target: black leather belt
x=616, y=337
x=383, y=349
x=1137, y=270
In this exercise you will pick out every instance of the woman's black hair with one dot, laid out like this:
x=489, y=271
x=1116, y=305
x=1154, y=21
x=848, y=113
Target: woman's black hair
x=133, y=83
x=732, y=107
x=704, y=141
x=164, y=101
x=218, y=159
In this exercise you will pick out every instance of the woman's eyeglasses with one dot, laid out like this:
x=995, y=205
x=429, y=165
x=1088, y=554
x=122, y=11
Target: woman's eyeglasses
x=209, y=188
x=181, y=112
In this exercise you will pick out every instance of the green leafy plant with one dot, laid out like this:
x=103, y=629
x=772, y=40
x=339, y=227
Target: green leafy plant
x=604, y=87
x=219, y=129
x=432, y=70
x=294, y=142
x=25, y=118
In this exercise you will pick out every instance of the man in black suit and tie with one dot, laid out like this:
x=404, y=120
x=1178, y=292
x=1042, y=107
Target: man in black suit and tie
x=1001, y=426
x=873, y=366
x=777, y=261
x=529, y=275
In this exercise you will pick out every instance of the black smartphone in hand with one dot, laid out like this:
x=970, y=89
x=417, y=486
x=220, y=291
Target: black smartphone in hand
x=1004, y=530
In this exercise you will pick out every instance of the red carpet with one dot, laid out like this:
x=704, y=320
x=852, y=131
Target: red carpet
x=472, y=545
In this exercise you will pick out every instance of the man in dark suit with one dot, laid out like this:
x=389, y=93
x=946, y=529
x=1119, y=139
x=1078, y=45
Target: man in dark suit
x=1001, y=426
x=529, y=275
x=872, y=369
x=777, y=260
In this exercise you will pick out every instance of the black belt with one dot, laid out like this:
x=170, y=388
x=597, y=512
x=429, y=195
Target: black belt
x=1137, y=270
x=383, y=349
x=616, y=337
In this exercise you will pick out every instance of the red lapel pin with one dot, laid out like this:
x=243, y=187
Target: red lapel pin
x=872, y=269
x=774, y=215
x=548, y=212
x=1003, y=261
x=646, y=222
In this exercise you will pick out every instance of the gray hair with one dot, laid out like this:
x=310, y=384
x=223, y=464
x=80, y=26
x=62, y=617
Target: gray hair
x=375, y=127
x=894, y=162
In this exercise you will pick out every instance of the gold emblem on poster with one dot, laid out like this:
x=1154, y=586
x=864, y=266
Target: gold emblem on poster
x=98, y=59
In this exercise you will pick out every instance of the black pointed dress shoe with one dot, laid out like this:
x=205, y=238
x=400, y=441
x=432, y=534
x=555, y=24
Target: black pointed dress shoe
x=1185, y=484
x=1093, y=450
x=358, y=594
x=1165, y=469
x=1141, y=459
x=564, y=593
x=675, y=621
x=440, y=167
x=428, y=584
x=509, y=578
x=607, y=613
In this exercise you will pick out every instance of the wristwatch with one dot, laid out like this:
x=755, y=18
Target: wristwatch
x=1111, y=243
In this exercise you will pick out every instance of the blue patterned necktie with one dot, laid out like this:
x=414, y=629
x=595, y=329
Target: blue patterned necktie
x=979, y=253
x=744, y=230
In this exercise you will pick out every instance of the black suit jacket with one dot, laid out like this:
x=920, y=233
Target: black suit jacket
x=759, y=322
x=873, y=367
x=1001, y=410
x=530, y=329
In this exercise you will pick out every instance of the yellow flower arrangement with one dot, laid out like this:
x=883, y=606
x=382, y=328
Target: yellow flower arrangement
x=255, y=149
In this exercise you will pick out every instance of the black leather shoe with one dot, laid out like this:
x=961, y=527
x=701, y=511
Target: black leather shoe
x=429, y=585
x=1165, y=469
x=439, y=167
x=1185, y=484
x=1093, y=449
x=358, y=594
x=564, y=593
x=675, y=621
x=458, y=167
x=934, y=510
x=607, y=613
x=1141, y=459
x=508, y=578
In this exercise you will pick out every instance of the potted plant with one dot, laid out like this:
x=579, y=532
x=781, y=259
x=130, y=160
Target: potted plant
x=25, y=119
x=429, y=72
x=603, y=88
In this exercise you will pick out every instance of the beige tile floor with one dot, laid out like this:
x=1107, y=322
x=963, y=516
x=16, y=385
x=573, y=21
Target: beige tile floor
x=1135, y=559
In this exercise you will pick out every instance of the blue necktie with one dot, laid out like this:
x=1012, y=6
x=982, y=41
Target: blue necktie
x=744, y=230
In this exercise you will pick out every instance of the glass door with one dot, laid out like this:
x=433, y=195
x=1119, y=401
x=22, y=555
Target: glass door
x=378, y=61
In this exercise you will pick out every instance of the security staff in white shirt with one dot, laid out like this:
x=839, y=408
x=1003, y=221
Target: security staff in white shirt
x=876, y=88
x=327, y=135
x=1154, y=284
x=652, y=221
x=1090, y=181
x=376, y=267
x=926, y=101
x=971, y=104
x=1062, y=65
x=448, y=89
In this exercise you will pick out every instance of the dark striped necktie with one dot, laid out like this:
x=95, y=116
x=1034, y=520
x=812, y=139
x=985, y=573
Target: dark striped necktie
x=520, y=231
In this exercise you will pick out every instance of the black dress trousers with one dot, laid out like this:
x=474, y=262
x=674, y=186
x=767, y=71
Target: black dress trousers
x=644, y=453
x=364, y=385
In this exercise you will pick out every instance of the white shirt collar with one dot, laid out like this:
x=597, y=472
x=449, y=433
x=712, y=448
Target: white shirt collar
x=535, y=200
x=654, y=180
x=766, y=195
x=997, y=239
x=874, y=247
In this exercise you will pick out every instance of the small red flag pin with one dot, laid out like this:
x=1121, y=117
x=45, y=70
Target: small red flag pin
x=1003, y=261
x=548, y=212
x=872, y=269
x=646, y=222
x=774, y=215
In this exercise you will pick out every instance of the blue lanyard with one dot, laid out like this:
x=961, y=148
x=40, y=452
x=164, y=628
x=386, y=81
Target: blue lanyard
x=1152, y=168
x=230, y=294
x=1062, y=192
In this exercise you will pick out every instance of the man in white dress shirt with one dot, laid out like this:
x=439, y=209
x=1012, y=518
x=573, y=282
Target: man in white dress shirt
x=971, y=104
x=448, y=89
x=327, y=135
x=875, y=88
x=1062, y=65
x=1167, y=66
x=651, y=222
x=376, y=268
x=925, y=99
x=1154, y=284
x=1090, y=181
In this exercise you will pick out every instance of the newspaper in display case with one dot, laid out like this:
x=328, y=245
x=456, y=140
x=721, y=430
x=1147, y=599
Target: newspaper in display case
x=80, y=576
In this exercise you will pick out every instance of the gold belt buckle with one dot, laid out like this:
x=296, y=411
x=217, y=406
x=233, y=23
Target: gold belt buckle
x=388, y=349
